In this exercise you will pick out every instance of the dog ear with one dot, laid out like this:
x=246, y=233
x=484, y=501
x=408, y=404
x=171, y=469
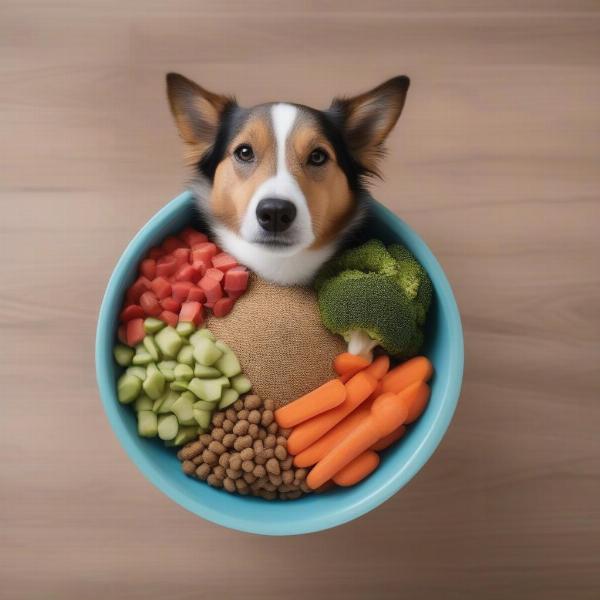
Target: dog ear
x=367, y=119
x=197, y=112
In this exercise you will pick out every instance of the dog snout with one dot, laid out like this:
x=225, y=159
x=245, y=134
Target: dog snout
x=275, y=214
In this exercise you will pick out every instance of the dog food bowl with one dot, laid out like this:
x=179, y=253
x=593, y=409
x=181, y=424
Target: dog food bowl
x=314, y=512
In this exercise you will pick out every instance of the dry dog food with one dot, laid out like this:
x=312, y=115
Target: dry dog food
x=246, y=452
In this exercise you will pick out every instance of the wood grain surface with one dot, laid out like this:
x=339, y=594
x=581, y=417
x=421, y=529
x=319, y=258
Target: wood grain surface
x=495, y=162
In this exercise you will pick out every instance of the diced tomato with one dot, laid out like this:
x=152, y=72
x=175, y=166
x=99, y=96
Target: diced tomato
x=161, y=287
x=140, y=285
x=204, y=251
x=212, y=288
x=187, y=273
x=149, y=303
x=191, y=237
x=170, y=304
x=224, y=261
x=223, y=307
x=182, y=256
x=148, y=268
x=166, y=266
x=236, y=281
x=170, y=318
x=135, y=331
x=235, y=295
x=155, y=253
x=214, y=273
x=171, y=243
x=191, y=312
x=133, y=311
x=122, y=333
x=196, y=294
x=202, y=265
x=180, y=290
x=209, y=305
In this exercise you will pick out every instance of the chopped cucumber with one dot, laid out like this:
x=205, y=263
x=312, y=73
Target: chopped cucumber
x=206, y=352
x=241, y=384
x=167, y=403
x=123, y=354
x=206, y=372
x=185, y=329
x=168, y=341
x=142, y=402
x=228, y=397
x=167, y=426
x=208, y=390
x=186, y=434
x=203, y=418
x=183, y=372
x=183, y=408
x=229, y=364
x=152, y=325
x=186, y=355
x=128, y=388
x=151, y=347
x=139, y=372
x=142, y=356
x=203, y=405
x=147, y=423
x=154, y=384
x=179, y=385
x=202, y=333
x=166, y=367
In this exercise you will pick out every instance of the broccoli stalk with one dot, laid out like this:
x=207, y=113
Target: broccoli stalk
x=373, y=296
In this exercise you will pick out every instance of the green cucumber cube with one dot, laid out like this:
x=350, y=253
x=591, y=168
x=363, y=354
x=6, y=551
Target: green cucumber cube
x=229, y=364
x=147, y=424
x=123, y=355
x=151, y=347
x=167, y=403
x=183, y=372
x=183, y=409
x=206, y=372
x=185, y=328
x=168, y=341
x=186, y=355
x=241, y=384
x=203, y=418
x=142, y=356
x=200, y=334
x=154, y=384
x=128, y=388
x=167, y=427
x=139, y=372
x=203, y=405
x=142, y=402
x=186, y=434
x=228, y=397
x=179, y=385
x=206, y=352
x=152, y=325
x=208, y=390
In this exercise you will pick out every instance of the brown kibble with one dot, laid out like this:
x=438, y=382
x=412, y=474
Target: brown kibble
x=269, y=486
x=282, y=441
x=229, y=484
x=262, y=434
x=294, y=494
x=257, y=445
x=224, y=459
x=206, y=439
x=259, y=471
x=243, y=442
x=280, y=452
x=300, y=474
x=218, y=433
x=217, y=419
x=240, y=484
x=252, y=401
x=238, y=405
x=198, y=460
x=253, y=431
x=273, y=428
x=269, y=404
x=188, y=467
x=305, y=487
x=231, y=415
x=287, y=477
x=254, y=417
x=241, y=427
x=227, y=426
x=213, y=480
x=203, y=471
x=229, y=440
x=267, y=418
x=249, y=478
x=247, y=466
x=270, y=441
x=234, y=474
x=235, y=462
x=268, y=453
x=259, y=483
x=285, y=432
x=209, y=457
x=268, y=494
x=273, y=466
x=247, y=454
x=259, y=459
x=219, y=471
x=276, y=480
x=287, y=463
x=216, y=447
x=190, y=450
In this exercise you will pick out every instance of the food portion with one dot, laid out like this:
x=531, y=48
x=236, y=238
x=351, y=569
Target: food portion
x=267, y=399
x=375, y=296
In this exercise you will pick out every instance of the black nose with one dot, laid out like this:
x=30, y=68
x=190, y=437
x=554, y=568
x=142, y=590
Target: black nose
x=275, y=215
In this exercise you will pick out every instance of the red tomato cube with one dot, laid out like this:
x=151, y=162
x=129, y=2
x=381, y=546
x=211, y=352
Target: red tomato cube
x=166, y=266
x=191, y=312
x=170, y=304
x=181, y=256
x=196, y=294
x=135, y=331
x=214, y=273
x=149, y=302
x=155, y=253
x=204, y=251
x=170, y=318
x=140, y=285
x=212, y=288
x=148, y=268
x=223, y=307
x=224, y=261
x=161, y=287
x=133, y=311
x=180, y=290
x=236, y=281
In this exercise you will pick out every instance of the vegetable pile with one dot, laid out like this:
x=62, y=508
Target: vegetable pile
x=178, y=282
x=375, y=296
x=176, y=378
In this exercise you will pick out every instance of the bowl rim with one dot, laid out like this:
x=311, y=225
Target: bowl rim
x=371, y=500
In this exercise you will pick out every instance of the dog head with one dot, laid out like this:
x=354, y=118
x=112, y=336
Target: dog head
x=280, y=183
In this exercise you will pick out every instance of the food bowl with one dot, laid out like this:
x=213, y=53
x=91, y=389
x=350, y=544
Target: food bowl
x=444, y=347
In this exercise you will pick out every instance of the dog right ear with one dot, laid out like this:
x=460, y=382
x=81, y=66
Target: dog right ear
x=197, y=112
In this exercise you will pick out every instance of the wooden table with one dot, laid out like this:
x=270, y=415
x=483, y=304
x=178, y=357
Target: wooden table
x=496, y=163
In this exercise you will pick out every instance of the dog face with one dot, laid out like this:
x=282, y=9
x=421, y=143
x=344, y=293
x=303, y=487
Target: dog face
x=285, y=181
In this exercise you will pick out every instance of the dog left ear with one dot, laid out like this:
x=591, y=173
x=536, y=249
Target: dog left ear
x=367, y=119
x=197, y=112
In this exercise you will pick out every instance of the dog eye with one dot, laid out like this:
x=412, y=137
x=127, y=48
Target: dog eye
x=318, y=157
x=244, y=153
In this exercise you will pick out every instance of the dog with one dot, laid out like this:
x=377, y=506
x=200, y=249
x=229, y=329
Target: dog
x=281, y=185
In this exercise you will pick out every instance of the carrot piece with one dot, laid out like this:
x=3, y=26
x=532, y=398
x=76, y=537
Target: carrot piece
x=345, y=363
x=388, y=440
x=324, y=398
x=388, y=412
x=362, y=466
x=315, y=452
x=358, y=389
x=418, y=368
x=379, y=367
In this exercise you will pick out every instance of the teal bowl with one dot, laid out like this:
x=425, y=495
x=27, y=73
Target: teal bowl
x=399, y=463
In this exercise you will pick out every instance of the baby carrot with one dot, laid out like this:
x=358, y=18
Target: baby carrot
x=324, y=398
x=388, y=412
x=379, y=367
x=358, y=389
x=415, y=369
x=388, y=440
x=362, y=466
x=345, y=363
x=315, y=452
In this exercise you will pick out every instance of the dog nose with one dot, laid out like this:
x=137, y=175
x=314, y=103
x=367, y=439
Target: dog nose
x=275, y=214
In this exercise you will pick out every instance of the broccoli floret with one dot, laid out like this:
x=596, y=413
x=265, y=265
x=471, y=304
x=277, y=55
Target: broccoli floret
x=375, y=296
